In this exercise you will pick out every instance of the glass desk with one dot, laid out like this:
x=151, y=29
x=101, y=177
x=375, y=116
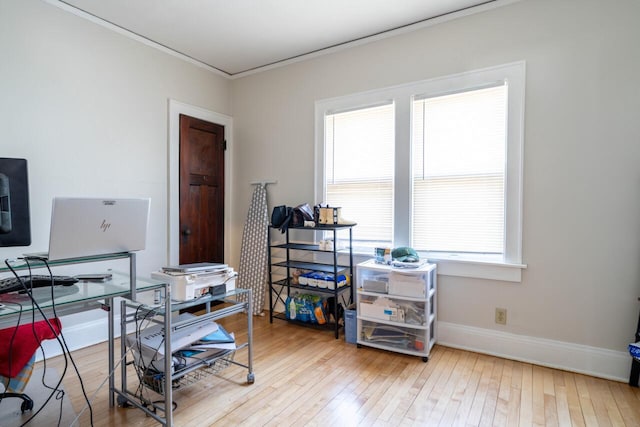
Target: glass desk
x=65, y=300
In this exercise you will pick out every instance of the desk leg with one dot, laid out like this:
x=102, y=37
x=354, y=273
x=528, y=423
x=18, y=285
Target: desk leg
x=109, y=302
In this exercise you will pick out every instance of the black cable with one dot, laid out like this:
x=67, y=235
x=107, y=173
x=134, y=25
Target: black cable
x=66, y=347
x=55, y=391
x=140, y=366
x=149, y=375
x=58, y=336
x=35, y=305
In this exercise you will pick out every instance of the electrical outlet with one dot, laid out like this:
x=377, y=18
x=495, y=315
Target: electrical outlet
x=501, y=316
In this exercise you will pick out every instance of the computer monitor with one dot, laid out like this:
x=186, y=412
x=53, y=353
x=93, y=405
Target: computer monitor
x=15, y=223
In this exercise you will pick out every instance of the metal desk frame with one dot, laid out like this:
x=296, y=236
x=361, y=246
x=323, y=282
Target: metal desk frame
x=238, y=301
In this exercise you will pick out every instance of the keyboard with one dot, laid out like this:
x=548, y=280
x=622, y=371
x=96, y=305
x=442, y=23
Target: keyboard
x=11, y=284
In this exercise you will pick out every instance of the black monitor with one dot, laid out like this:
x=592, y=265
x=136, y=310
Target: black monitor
x=15, y=224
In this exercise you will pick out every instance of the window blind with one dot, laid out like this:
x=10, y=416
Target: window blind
x=458, y=161
x=359, y=168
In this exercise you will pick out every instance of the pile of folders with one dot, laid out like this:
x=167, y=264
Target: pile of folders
x=191, y=345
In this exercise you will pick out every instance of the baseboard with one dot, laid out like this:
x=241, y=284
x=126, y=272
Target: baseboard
x=597, y=362
x=594, y=361
x=78, y=336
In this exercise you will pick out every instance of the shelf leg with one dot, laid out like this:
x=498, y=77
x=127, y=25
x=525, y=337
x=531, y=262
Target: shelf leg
x=168, y=384
x=110, y=317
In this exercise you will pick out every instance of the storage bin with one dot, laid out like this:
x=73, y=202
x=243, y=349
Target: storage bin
x=350, y=324
x=408, y=285
x=381, y=312
x=392, y=309
x=393, y=336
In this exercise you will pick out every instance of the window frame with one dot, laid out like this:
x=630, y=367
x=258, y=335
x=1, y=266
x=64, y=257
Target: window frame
x=507, y=267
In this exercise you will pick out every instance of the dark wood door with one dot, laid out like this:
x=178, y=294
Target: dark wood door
x=202, y=146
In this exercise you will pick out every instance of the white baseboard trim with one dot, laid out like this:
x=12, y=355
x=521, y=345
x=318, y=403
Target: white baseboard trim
x=593, y=361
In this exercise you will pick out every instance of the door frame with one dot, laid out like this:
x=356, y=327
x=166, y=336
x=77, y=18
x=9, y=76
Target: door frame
x=173, y=209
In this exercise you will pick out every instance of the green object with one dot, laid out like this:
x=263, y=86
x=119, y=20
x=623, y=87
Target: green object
x=405, y=254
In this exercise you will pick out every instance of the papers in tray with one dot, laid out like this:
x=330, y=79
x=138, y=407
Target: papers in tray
x=387, y=334
x=199, y=267
x=217, y=337
x=220, y=339
x=204, y=345
x=204, y=335
x=190, y=345
x=153, y=336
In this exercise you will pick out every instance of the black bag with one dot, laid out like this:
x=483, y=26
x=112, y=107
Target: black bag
x=278, y=216
x=281, y=217
x=302, y=213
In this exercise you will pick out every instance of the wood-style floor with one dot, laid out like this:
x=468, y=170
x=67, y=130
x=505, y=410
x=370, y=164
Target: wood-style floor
x=306, y=377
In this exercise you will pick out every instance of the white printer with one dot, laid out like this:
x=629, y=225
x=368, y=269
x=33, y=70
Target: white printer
x=187, y=285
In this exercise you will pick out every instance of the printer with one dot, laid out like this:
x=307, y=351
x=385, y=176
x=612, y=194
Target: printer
x=187, y=285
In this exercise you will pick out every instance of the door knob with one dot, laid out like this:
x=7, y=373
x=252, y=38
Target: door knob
x=186, y=231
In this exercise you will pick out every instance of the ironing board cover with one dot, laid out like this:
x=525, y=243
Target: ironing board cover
x=253, y=271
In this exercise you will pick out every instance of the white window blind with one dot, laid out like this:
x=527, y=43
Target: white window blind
x=359, y=169
x=459, y=162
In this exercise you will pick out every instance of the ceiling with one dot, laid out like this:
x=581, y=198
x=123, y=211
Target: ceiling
x=239, y=37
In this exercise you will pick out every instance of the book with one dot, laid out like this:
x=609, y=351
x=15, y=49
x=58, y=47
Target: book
x=219, y=336
x=194, y=268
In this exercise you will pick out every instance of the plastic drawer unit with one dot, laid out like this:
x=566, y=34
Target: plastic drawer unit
x=397, y=308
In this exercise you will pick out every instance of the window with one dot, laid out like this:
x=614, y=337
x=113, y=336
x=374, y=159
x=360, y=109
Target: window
x=458, y=159
x=435, y=165
x=359, y=152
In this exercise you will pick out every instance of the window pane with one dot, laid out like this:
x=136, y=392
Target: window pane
x=359, y=157
x=458, y=159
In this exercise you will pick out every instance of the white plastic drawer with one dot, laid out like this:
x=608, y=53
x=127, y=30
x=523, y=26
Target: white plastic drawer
x=390, y=309
x=373, y=281
x=394, y=336
x=410, y=285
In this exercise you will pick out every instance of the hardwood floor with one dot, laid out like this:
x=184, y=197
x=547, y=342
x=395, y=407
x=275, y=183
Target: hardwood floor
x=306, y=377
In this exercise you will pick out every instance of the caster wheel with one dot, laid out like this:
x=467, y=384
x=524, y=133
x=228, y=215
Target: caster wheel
x=27, y=405
x=122, y=402
x=251, y=378
x=425, y=359
x=358, y=346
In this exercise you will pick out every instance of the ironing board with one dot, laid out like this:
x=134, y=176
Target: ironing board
x=253, y=271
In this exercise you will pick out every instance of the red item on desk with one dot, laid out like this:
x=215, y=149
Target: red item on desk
x=15, y=355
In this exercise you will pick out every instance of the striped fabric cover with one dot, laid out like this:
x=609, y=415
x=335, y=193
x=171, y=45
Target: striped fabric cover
x=17, y=384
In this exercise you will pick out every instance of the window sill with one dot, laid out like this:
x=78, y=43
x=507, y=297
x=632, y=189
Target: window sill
x=491, y=267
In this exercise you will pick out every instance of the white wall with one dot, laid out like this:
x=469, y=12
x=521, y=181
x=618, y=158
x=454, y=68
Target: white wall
x=88, y=108
x=577, y=306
